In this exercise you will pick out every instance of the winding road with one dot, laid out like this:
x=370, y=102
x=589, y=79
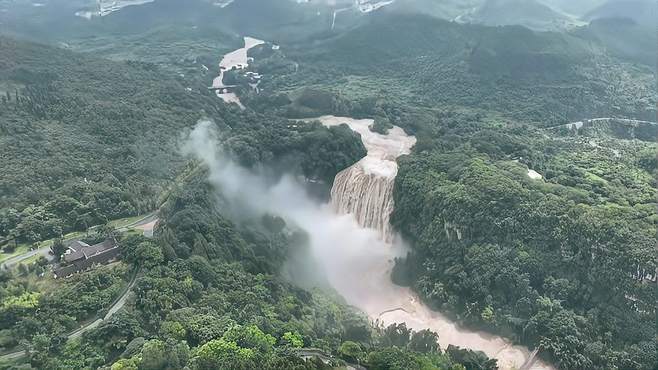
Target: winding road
x=12, y=261
x=114, y=308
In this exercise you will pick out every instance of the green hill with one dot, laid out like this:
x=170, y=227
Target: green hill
x=625, y=38
x=86, y=140
x=529, y=13
x=641, y=11
x=525, y=75
x=275, y=20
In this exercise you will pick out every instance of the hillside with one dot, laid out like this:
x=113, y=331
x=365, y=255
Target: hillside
x=576, y=8
x=567, y=217
x=101, y=138
x=87, y=140
x=277, y=20
x=529, y=13
x=396, y=183
x=624, y=38
x=113, y=124
x=524, y=75
x=440, y=9
x=641, y=11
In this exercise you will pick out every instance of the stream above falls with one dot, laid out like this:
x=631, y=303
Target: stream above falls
x=360, y=268
x=236, y=59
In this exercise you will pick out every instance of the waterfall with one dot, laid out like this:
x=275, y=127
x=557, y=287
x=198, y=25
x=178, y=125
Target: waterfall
x=367, y=196
x=365, y=190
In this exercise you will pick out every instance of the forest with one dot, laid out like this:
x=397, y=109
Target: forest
x=206, y=295
x=562, y=261
x=564, y=264
x=544, y=79
x=98, y=148
x=207, y=292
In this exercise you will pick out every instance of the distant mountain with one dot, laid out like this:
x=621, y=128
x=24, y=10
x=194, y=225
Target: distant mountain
x=627, y=28
x=447, y=9
x=534, y=14
x=644, y=12
x=624, y=38
x=577, y=8
x=529, y=13
x=538, y=75
x=62, y=21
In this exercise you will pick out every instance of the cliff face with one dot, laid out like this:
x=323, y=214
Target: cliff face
x=365, y=190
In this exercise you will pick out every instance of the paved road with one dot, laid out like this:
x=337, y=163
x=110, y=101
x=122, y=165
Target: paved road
x=118, y=304
x=146, y=224
x=12, y=261
x=144, y=220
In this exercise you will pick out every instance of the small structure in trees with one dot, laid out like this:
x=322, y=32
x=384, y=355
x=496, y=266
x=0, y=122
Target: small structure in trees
x=81, y=256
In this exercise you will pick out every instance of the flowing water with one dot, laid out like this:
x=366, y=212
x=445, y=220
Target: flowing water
x=350, y=238
x=365, y=190
x=236, y=59
x=360, y=268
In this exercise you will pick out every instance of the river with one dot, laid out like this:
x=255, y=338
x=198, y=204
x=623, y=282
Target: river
x=350, y=243
x=236, y=59
x=360, y=268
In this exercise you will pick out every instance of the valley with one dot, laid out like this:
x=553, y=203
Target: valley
x=235, y=60
x=406, y=184
x=360, y=270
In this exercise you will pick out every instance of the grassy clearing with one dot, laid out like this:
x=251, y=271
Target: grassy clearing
x=20, y=249
x=122, y=222
x=133, y=232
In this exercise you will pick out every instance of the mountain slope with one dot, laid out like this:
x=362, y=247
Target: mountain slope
x=273, y=20
x=577, y=8
x=627, y=28
x=528, y=13
x=644, y=12
x=86, y=118
x=534, y=77
x=625, y=38
x=101, y=138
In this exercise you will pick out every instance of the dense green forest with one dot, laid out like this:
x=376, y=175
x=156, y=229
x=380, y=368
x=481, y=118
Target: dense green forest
x=207, y=292
x=544, y=79
x=206, y=297
x=564, y=262
x=85, y=140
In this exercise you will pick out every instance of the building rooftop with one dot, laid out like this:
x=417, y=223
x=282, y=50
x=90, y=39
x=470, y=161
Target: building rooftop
x=75, y=250
x=81, y=256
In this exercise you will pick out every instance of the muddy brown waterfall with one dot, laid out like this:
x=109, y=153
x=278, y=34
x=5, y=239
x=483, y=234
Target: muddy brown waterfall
x=368, y=197
x=359, y=263
x=365, y=190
